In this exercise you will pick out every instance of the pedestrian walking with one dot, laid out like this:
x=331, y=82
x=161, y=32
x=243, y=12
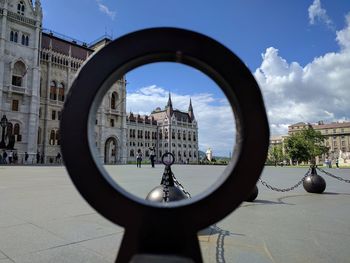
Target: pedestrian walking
x=152, y=156
x=15, y=157
x=58, y=157
x=38, y=157
x=138, y=158
x=337, y=162
x=26, y=156
x=4, y=157
x=10, y=156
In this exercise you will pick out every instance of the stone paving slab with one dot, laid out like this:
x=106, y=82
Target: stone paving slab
x=44, y=219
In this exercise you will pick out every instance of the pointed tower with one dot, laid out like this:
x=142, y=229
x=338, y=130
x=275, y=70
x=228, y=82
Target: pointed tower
x=169, y=107
x=190, y=111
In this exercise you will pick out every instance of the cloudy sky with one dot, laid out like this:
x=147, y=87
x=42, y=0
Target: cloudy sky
x=298, y=51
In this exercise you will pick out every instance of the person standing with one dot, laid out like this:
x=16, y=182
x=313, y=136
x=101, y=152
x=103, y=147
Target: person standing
x=26, y=156
x=337, y=162
x=4, y=156
x=58, y=157
x=152, y=156
x=38, y=157
x=10, y=156
x=138, y=158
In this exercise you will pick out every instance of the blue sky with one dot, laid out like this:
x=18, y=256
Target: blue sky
x=297, y=50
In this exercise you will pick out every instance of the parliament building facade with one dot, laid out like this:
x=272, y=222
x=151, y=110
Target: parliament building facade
x=37, y=68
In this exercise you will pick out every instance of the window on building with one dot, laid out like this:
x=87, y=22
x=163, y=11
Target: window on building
x=14, y=36
x=189, y=154
x=112, y=123
x=16, y=132
x=184, y=135
x=59, y=115
x=60, y=92
x=20, y=8
x=194, y=136
x=14, y=105
x=342, y=130
x=27, y=41
x=19, y=70
x=334, y=130
x=53, y=90
x=166, y=134
x=58, y=138
x=130, y=133
x=147, y=153
x=189, y=135
x=335, y=143
x=173, y=134
x=185, y=154
x=53, y=115
x=52, y=137
x=343, y=143
x=132, y=154
x=178, y=135
x=194, y=154
x=114, y=99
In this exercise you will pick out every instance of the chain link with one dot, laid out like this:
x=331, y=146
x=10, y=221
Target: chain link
x=180, y=186
x=285, y=189
x=334, y=176
x=165, y=194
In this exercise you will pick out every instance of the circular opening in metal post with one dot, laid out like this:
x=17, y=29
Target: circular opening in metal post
x=164, y=45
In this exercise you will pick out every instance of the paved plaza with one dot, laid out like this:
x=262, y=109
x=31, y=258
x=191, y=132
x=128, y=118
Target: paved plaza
x=44, y=219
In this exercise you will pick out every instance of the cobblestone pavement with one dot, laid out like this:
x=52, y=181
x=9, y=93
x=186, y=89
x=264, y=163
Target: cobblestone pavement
x=44, y=219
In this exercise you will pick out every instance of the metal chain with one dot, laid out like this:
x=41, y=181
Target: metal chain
x=334, y=176
x=285, y=189
x=180, y=186
x=165, y=194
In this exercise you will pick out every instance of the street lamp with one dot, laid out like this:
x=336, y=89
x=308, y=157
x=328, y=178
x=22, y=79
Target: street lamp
x=3, y=124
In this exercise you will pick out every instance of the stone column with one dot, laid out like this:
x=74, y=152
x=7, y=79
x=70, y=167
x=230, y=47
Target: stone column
x=2, y=52
x=33, y=116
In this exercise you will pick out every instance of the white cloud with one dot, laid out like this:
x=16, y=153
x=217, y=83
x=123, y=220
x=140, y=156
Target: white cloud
x=318, y=14
x=104, y=9
x=214, y=115
x=318, y=91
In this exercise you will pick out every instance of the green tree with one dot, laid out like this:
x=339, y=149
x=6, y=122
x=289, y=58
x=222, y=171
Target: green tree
x=275, y=154
x=306, y=145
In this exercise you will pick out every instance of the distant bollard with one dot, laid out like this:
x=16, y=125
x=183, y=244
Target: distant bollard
x=313, y=183
x=253, y=194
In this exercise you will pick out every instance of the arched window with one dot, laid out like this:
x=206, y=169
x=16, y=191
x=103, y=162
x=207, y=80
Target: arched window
x=184, y=154
x=58, y=139
x=19, y=70
x=23, y=40
x=61, y=92
x=16, y=132
x=12, y=36
x=166, y=134
x=194, y=136
x=184, y=135
x=194, y=154
x=20, y=8
x=114, y=100
x=15, y=38
x=189, y=136
x=27, y=41
x=189, y=154
x=52, y=137
x=53, y=90
x=178, y=135
x=132, y=153
x=173, y=134
x=9, y=131
x=179, y=153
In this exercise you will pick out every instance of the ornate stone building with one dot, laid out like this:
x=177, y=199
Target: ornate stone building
x=337, y=138
x=37, y=68
x=167, y=130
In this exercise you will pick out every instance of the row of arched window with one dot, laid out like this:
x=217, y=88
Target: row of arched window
x=14, y=130
x=190, y=135
x=54, y=138
x=179, y=153
x=14, y=35
x=60, y=60
x=57, y=91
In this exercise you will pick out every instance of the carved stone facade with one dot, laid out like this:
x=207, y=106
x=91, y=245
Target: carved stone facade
x=37, y=68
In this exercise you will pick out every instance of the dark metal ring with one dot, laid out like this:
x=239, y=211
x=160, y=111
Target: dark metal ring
x=164, y=45
x=171, y=156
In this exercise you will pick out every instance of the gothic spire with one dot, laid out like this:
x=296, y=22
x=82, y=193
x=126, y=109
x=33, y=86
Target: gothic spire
x=190, y=110
x=169, y=107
